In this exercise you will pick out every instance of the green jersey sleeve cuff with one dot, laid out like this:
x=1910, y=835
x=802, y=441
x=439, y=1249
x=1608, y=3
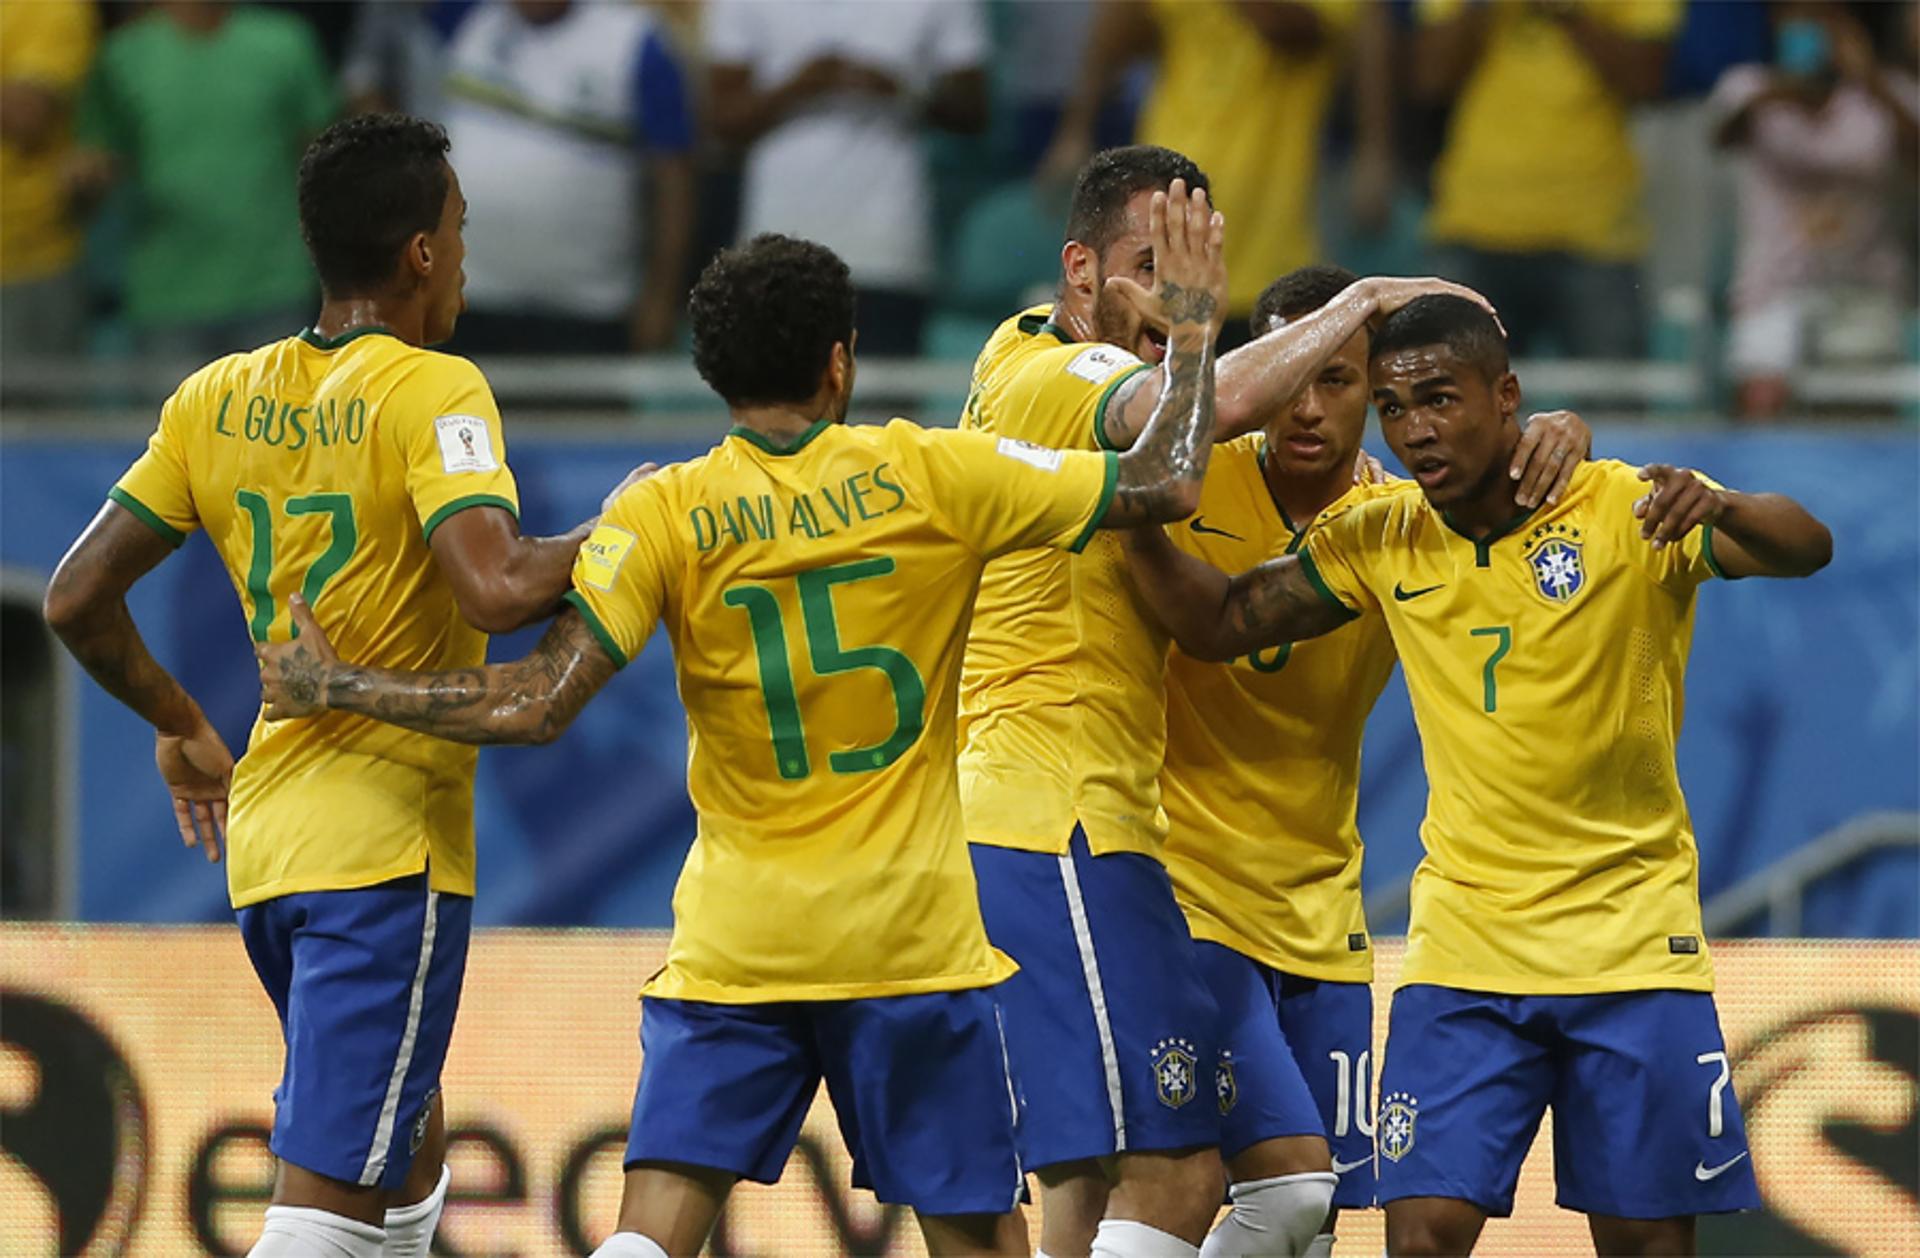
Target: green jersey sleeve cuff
x=171, y=535
x=579, y=603
x=1319, y=583
x=1100, y=412
x=1109, y=482
x=1706, y=552
x=458, y=505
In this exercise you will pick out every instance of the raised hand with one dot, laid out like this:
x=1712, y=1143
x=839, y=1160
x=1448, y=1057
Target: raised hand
x=1189, y=275
x=1390, y=292
x=293, y=675
x=1678, y=503
x=1551, y=449
x=198, y=770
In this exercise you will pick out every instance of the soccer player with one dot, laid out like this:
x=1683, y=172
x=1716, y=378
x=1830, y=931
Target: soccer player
x=1110, y=1027
x=351, y=466
x=1555, y=955
x=1261, y=786
x=816, y=581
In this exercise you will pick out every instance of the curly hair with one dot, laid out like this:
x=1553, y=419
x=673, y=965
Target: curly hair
x=766, y=316
x=367, y=185
x=1115, y=176
x=1464, y=327
x=1299, y=292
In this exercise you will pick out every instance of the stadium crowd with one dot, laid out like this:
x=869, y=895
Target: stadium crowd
x=1578, y=162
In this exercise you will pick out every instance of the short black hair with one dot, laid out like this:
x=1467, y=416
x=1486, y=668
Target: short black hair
x=1115, y=176
x=766, y=316
x=366, y=186
x=1299, y=292
x=1463, y=326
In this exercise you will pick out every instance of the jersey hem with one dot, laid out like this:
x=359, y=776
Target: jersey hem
x=147, y=516
x=1108, y=484
x=1279, y=961
x=1510, y=986
x=458, y=505
x=669, y=986
x=579, y=603
x=1319, y=583
x=346, y=882
x=1106, y=396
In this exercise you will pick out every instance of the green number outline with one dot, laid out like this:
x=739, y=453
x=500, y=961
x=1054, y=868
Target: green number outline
x=344, y=540
x=1505, y=636
x=776, y=677
x=827, y=656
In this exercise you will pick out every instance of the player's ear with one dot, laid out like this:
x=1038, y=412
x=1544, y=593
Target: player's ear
x=1081, y=267
x=1506, y=391
x=418, y=256
x=840, y=376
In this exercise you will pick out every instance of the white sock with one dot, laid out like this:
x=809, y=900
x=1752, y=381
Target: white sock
x=304, y=1232
x=1322, y=1246
x=1273, y=1218
x=410, y=1228
x=1126, y=1238
x=629, y=1245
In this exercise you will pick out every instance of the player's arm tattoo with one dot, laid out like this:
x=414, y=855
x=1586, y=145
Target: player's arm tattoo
x=1160, y=475
x=530, y=700
x=1216, y=617
x=86, y=607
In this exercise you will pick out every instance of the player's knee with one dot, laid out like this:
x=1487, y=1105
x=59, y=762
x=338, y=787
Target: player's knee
x=1273, y=1218
x=1176, y=1192
x=1428, y=1235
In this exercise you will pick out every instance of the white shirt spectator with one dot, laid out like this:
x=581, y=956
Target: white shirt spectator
x=848, y=171
x=549, y=122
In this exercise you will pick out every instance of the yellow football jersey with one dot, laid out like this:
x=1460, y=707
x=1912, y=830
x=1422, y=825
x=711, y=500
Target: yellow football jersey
x=1063, y=700
x=1262, y=776
x=323, y=467
x=1546, y=667
x=817, y=597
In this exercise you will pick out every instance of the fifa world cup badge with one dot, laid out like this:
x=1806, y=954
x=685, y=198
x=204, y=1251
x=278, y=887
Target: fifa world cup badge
x=1397, y=1112
x=1174, y=1062
x=1559, y=571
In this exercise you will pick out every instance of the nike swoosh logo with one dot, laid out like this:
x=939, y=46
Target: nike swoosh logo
x=1401, y=593
x=1703, y=1172
x=1341, y=1168
x=1199, y=527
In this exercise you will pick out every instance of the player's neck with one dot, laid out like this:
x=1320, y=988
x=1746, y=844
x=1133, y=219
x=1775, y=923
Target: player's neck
x=1301, y=498
x=339, y=316
x=783, y=425
x=1491, y=508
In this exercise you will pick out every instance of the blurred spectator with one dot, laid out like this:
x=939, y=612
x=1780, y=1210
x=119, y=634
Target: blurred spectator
x=1819, y=273
x=1537, y=191
x=396, y=57
x=204, y=109
x=572, y=131
x=1242, y=88
x=44, y=53
x=830, y=99
x=1038, y=82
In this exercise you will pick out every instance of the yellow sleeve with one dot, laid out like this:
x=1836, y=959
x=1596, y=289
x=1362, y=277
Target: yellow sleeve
x=448, y=429
x=1060, y=395
x=999, y=494
x=1645, y=19
x=623, y=572
x=56, y=47
x=156, y=487
x=1336, y=560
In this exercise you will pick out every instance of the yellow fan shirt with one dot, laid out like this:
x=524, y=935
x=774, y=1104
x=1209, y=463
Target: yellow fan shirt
x=1262, y=776
x=817, y=596
x=1546, y=666
x=323, y=467
x=1063, y=698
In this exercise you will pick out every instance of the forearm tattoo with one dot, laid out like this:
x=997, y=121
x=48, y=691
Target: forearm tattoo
x=527, y=701
x=1275, y=603
x=1169, y=460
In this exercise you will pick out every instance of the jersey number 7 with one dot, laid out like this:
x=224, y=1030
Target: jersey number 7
x=784, y=720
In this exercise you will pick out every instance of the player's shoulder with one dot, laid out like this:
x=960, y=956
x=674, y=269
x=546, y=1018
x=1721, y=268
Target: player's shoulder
x=1392, y=504
x=666, y=490
x=1606, y=480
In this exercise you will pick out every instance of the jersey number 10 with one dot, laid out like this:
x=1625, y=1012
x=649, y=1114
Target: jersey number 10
x=784, y=720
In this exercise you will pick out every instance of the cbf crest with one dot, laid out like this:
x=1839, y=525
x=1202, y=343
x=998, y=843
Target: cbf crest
x=1554, y=552
x=1398, y=1110
x=1174, y=1064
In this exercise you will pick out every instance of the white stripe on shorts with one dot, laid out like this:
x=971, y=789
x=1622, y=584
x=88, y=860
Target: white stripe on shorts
x=390, y=1108
x=1090, y=964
